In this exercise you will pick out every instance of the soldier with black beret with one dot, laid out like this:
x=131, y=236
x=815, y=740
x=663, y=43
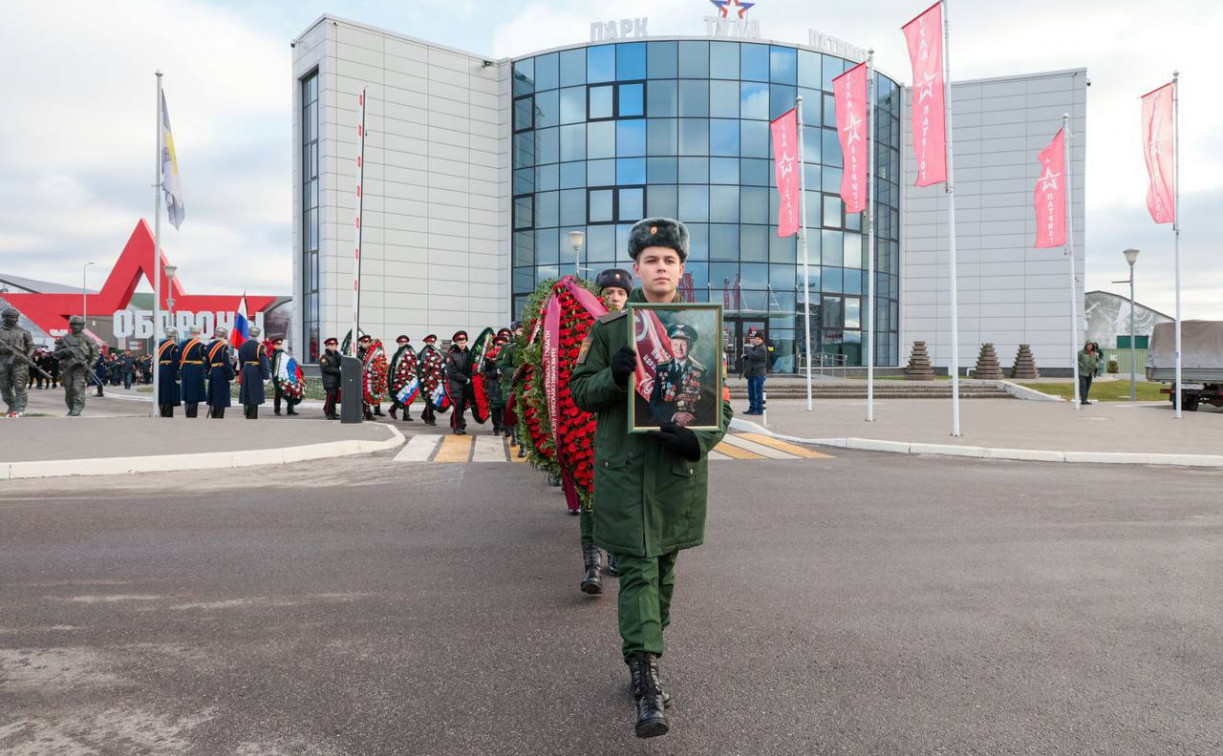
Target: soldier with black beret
x=329, y=366
x=428, y=414
x=649, y=489
x=402, y=353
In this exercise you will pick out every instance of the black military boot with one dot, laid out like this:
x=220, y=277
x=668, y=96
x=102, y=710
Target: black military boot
x=647, y=692
x=611, y=565
x=592, y=583
x=393, y=410
x=378, y=409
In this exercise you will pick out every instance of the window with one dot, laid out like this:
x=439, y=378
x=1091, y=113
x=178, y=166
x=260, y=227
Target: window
x=310, y=217
x=694, y=99
x=602, y=205
x=663, y=99
x=783, y=65
x=754, y=101
x=630, y=61
x=573, y=105
x=630, y=138
x=662, y=138
x=809, y=69
x=754, y=62
x=724, y=204
x=546, y=72
x=547, y=111
x=724, y=137
x=724, y=171
x=546, y=209
x=602, y=102
x=524, y=113
x=601, y=63
x=693, y=136
x=662, y=61
x=782, y=98
x=630, y=171
x=632, y=100
x=573, y=143
x=573, y=67
x=601, y=172
x=523, y=215
x=547, y=145
x=524, y=77
x=833, y=248
x=724, y=60
x=663, y=170
x=754, y=205
x=601, y=139
x=833, y=67
x=694, y=203
x=833, y=212
x=631, y=204
x=724, y=99
x=694, y=60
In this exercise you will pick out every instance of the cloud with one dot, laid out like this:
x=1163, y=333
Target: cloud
x=79, y=146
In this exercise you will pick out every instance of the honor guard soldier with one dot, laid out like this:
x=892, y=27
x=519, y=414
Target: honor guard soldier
x=402, y=353
x=364, y=344
x=168, y=396
x=458, y=381
x=428, y=414
x=99, y=373
x=16, y=346
x=507, y=366
x=191, y=368
x=253, y=371
x=219, y=365
x=329, y=366
x=649, y=489
x=278, y=394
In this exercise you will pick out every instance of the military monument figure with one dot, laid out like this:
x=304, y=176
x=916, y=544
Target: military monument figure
x=76, y=353
x=16, y=346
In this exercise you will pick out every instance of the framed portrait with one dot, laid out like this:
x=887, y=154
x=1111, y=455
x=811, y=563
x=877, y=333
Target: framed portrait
x=679, y=366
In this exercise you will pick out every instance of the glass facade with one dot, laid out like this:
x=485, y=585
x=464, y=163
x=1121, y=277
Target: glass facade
x=310, y=217
x=607, y=134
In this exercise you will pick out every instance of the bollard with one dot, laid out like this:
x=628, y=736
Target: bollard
x=764, y=408
x=352, y=393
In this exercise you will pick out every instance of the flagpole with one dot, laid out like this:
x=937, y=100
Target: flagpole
x=157, y=257
x=1074, y=291
x=870, y=236
x=802, y=236
x=1176, y=225
x=955, y=323
x=356, y=262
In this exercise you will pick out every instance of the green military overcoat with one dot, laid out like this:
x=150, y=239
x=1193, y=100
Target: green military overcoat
x=507, y=363
x=648, y=501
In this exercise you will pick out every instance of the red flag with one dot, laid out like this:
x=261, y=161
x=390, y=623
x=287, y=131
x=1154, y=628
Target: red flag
x=552, y=341
x=786, y=168
x=849, y=89
x=1159, y=140
x=925, y=37
x=653, y=348
x=1049, y=197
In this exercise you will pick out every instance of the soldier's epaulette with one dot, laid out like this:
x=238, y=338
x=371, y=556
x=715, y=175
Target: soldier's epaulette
x=613, y=315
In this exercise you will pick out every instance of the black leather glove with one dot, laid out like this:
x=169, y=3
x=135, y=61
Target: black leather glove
x=623, y=364
x=679, y=440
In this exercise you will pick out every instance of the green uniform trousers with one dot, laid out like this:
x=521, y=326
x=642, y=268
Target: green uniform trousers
x=586, y=521
x=646, y=585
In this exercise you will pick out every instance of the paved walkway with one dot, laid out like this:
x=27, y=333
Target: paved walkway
x=1054, y=429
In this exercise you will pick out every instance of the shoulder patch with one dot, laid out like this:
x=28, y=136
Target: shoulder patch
x=585, y=349
x=614, y=315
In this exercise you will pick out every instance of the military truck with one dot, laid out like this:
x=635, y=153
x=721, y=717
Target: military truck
x=1201, y=361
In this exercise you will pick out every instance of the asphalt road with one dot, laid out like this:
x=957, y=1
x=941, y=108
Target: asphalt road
x=867, y=604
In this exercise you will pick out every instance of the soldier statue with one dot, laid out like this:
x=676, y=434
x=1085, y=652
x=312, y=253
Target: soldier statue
x=76, y=353
x=15, y=344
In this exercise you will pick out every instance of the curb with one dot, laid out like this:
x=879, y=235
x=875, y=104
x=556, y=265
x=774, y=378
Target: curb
x=203, y=461
x=984, y=452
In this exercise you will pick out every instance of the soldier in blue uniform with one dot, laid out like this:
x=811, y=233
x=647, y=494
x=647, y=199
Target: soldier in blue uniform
x=220, y=369
x=254, y=369
x=167, y=374
x=191, y=367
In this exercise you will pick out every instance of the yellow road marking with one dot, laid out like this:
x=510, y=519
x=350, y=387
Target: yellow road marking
x=454, y=449
x=783, y=446
x=735, y=452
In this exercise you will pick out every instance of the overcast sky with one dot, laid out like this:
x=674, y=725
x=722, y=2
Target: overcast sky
x=77, y=138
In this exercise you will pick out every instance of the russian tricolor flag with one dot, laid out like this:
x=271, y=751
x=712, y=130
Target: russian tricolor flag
x=242, y=327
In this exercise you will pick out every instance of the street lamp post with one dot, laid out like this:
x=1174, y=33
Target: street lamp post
x=170, y=271
x=84, y=304
x=1131, y=256
x=577, y=239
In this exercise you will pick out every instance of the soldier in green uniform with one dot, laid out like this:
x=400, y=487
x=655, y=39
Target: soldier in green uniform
x=507, y=367
x=76, y=353
x=649, y=489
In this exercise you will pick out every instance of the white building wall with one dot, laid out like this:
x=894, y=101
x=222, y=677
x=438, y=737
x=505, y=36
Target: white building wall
x=1010, y=293
x=435, y=246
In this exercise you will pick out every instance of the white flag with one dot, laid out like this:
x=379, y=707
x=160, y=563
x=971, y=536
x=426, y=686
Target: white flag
x=170, y=183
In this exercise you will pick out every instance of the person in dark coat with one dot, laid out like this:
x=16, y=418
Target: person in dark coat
x=191, y=366
x=329, y=366
x=127, y=369
x=458, y=381
x=167, y=374
x=493, y=378
x=253, y=369
x=219, y=366
x=755, y=368
x=428, y=414
x=99, y=372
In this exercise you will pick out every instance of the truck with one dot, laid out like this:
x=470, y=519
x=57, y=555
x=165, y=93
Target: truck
x=1201, y=362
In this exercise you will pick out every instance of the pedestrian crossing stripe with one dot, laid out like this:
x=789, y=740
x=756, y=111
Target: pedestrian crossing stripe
x=432, y=447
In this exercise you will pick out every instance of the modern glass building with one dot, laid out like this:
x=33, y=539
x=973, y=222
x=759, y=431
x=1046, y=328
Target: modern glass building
x=606, y=134
x=476, y=170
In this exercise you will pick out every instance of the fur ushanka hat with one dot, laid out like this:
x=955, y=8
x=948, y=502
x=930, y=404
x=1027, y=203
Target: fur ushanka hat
x=658, y=232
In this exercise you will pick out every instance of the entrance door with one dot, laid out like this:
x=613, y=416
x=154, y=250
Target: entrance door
x=735, y=342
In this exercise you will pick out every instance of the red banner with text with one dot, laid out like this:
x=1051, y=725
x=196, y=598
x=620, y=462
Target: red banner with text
x=929, y=125
x=1049, y=197
x=849, y=90
x=786, y=166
